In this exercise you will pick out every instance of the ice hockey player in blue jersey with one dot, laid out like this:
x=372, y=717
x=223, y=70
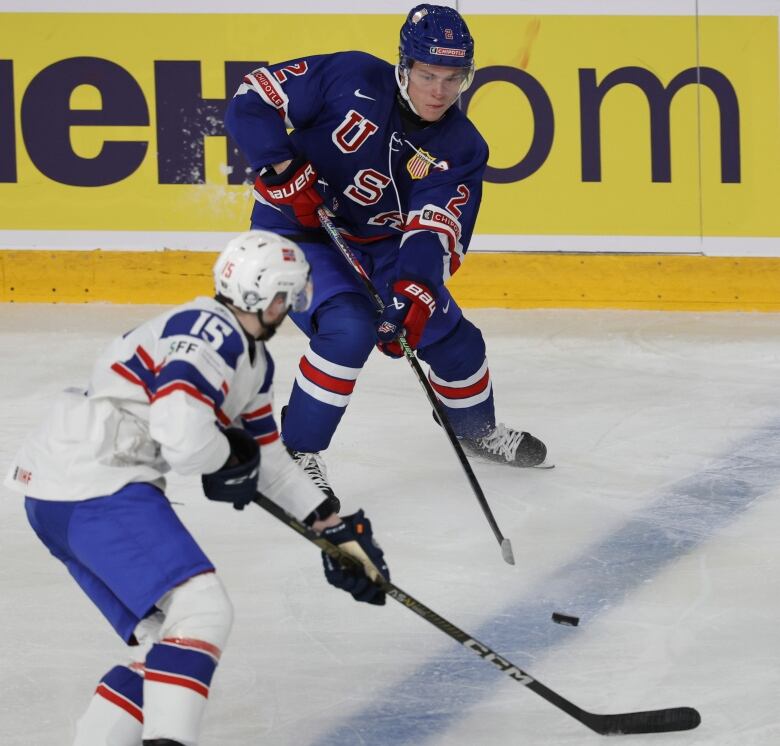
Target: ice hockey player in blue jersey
x=400, y=167
x=188, y=391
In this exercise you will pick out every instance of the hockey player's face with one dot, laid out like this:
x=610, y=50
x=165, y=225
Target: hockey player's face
x=272, y=318
x=433, y=89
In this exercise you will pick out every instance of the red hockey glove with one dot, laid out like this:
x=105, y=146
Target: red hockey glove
x=293, y=191
x=409, y=310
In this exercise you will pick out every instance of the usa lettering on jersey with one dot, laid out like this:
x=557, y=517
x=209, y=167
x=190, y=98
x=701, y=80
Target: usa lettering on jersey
x=353, y=132
x=380, y=180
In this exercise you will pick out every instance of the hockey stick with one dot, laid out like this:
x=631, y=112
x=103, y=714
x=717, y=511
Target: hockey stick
x=648, y=721
x=506, y=546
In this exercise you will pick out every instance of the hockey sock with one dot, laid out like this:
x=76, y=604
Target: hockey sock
x=114, y=715
x=327, y=373
x=460, y=377
x=179, y=668
x=176, y=686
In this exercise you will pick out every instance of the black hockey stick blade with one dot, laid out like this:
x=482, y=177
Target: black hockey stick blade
x=622, y=723
x=651, y=721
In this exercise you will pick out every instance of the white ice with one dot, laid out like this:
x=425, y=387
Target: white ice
x=658, y=527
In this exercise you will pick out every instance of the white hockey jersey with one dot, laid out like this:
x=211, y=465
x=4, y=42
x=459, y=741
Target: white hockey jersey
x=156, y=401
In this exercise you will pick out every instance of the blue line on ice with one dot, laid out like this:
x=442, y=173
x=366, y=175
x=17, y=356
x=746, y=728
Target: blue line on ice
x=684, y=515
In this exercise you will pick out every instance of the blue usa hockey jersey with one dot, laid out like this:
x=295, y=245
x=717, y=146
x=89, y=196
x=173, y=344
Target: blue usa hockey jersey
x=423, y=186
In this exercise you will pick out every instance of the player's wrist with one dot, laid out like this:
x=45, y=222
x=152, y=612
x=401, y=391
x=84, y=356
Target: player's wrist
x=322, y=516
x=332, y=520
x=281, y=167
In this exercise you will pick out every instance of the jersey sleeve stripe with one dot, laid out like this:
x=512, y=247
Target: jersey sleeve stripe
x=146, y=359
x=446, y=226
x=257, y=413
x=138, y=369
x=183, y=370
x=187, y=388
x=260, y=428
x=268, y=88
x=129, y=375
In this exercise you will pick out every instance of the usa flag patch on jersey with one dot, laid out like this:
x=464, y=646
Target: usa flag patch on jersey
x=420, y=164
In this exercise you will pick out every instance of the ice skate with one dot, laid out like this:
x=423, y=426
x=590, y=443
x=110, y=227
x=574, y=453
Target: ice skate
x=314, y=467
x=312, y=464
x=507, y=446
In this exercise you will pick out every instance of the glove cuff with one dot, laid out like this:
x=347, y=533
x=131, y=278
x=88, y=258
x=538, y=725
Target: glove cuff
x=417, y=292
x=325, y=509
x=270, y=177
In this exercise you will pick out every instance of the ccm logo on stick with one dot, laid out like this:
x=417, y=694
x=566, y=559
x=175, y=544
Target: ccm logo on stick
x=512, y=671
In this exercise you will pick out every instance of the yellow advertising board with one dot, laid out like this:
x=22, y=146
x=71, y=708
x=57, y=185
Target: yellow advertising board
x=598, y=125
x=96, y=96
x=662, y=140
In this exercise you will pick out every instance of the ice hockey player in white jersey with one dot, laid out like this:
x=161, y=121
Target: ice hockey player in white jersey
x=188, y=391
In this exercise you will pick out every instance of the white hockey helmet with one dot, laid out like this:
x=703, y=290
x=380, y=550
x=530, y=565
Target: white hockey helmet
x=257, y=266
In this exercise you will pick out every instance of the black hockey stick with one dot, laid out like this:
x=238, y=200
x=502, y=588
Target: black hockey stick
x=506, y=546
x=648, y=721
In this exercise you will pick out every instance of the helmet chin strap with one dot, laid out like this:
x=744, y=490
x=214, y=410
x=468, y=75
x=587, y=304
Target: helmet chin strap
x=268, y=330
x=402, y=78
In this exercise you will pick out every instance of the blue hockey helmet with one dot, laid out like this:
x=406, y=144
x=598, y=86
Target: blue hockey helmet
x=434, y=35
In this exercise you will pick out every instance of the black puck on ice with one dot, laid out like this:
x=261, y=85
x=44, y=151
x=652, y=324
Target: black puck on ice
x=569, y=621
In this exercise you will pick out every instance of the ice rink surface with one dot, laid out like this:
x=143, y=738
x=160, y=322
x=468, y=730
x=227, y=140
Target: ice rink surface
x=658, y=528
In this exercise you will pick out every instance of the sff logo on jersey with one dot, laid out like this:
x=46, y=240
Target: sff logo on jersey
x=419, y=165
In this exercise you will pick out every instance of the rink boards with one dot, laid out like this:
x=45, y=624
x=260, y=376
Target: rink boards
x=634, y=148
x=488, y=280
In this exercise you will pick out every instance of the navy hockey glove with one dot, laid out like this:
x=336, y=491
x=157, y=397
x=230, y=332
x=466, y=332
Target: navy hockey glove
x=355, y=537
x=236, y=481
x=293, y=191
x=411, y=307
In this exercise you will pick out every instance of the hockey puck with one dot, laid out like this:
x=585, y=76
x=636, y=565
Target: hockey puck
x=569, y=621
